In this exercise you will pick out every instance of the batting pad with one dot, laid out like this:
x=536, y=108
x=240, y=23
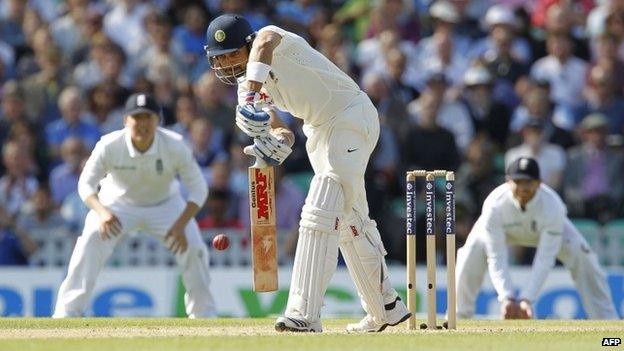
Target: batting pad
x=317, y=249
x=364, y=253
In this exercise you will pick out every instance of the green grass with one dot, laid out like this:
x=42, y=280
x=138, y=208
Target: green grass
x=257, y=334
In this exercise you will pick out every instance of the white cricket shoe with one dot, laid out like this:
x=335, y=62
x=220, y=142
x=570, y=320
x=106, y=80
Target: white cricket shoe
x=396, y=313
x=295, y=324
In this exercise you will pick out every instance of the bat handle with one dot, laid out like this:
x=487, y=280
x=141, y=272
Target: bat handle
x=260, y=163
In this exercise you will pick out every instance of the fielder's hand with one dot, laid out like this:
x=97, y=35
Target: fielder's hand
x=509, y=309
x=525, y=310
x=176, y=239
x=269, y=148
x=110, y=226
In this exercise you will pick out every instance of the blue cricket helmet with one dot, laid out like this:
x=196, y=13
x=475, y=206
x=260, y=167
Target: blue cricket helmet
x=225, y=34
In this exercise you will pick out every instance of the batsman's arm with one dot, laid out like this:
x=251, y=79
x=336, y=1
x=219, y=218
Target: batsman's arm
x=280, y=130
x=260, y=58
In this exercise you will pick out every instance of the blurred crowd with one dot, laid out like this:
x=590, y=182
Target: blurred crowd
x=462, y=85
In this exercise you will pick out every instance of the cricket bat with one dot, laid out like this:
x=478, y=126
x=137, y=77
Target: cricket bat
x=263, y=226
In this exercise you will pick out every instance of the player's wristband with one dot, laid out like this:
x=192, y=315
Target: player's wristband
x=257, y=71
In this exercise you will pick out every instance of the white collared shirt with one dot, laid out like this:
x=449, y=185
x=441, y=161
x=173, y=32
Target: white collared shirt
x=503, y=222
x=305, y=83
x=141, y=179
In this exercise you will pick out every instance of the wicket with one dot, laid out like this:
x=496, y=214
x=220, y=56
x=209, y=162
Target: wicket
x=430, y=229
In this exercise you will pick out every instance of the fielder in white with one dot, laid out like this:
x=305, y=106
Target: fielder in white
x=136, y=169
x=525, y=212
x=276, y=68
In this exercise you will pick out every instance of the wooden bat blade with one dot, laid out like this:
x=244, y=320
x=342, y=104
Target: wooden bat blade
x=263, y=228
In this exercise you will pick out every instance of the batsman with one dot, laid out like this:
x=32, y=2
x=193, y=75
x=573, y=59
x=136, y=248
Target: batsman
x=275, y=68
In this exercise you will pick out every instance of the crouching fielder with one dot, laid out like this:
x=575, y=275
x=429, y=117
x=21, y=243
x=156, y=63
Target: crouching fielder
x=277, y=68
x=526, y=212
x=137, y=167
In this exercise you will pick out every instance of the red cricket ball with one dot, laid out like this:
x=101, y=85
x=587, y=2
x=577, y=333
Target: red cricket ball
x=221, y=242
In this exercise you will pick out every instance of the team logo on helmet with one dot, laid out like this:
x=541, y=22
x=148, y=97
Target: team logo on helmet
x=219, y=35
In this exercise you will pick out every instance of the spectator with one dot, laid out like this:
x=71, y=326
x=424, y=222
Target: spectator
x=502, y=61
x=297, y=15
x=73, y=123
x=185, y=113
x=213, y=102
x=256, y=12
x=400, y=77
x=488, y=116
x=206, y=142
x=397, y=15
x=30, y=140
x=67, y=30
x=12, y=108
x=536, y=105
x=164, y=78
x=104, y=105
x=601, y=97
x=354, y=17
x=217, y=212
x=124, y=25
x=334, y=47
x=450, y=115
x=64, y=177
x=565, y=73
x=445, y=17
x=40, y=218
x=370, y=52
x=16, y=185
x=501, y=22
x=550, y=157
x=190, y=35
x=41, y=90
x=15, y=246
x=477, y=177
x=391, y=108
x=90, y=28
x=161, y=47
x=593, y=185
x=562, y=17
x=11, y=25
x=25, y=64
x=440, y=151
x=606, y=56
x=87, y=73
x=445, y=58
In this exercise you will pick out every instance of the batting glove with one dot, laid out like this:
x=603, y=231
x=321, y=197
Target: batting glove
x=270, y=149
x=252, y=122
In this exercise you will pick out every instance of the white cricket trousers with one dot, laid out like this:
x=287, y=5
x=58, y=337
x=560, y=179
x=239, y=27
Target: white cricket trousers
x=91, y=253
x=575, y=254
x=340, y=149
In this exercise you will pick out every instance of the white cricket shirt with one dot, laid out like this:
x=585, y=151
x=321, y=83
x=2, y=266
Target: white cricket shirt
x=303, y=82
x=141, y=179
x=503, y=222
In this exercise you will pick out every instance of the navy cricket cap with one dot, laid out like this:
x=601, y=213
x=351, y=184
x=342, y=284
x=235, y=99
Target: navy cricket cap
x=524, y=168
x=227, y=33
x=141, y=103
